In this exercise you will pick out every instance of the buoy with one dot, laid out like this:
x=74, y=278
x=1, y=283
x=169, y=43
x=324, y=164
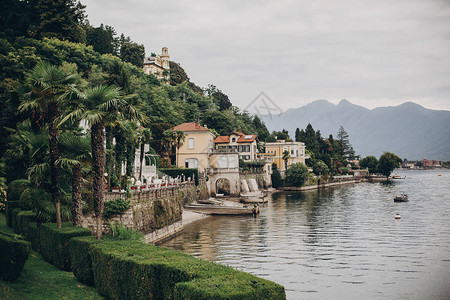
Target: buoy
x=397, y=217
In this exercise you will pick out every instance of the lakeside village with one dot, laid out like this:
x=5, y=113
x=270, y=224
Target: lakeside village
x=137, y=191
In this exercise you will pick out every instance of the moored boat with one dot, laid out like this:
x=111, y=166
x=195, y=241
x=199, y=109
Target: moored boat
x=223, y=209
x=401, y=198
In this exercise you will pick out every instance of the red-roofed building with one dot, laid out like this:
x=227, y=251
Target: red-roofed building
x=246, y=145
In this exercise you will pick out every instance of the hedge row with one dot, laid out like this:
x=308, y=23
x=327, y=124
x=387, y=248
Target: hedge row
x=14, y=253
x=10, y=205
x=131, y=270
x=174, y=172
x=54, y=243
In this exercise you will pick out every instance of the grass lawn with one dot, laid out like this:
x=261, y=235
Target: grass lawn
x=41, y=280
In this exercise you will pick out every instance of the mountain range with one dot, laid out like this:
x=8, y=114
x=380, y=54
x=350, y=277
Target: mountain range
x=408, y=130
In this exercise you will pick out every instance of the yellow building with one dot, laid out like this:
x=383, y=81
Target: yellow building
x=276, y=150
x=158, y=65
x=196, y=148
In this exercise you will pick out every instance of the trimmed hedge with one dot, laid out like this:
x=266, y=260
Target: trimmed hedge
x=32, y=235
x=174, y=172
x=14, y=223
x=23, y=219
x=54, y=243
x=14, y=253
x=81, y=258
x=10, y=205
x=130, y=270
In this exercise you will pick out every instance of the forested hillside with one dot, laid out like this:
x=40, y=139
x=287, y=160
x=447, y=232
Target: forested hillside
x=59, y=32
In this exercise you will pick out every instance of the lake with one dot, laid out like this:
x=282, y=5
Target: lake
x=340, y=243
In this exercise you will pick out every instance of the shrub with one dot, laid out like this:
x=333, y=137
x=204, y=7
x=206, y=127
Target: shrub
x=54, y=243
x=296, y=174
x=277, y=181
x=10, y=205
x=14, y=253
x=235, y=285
x=81, y=259
x=16, y=188
x=174, y=172
x=14, y=224
x=115, y=207
x=131, y=270
x=23, y=219
x=120, y=232
x=32, y=235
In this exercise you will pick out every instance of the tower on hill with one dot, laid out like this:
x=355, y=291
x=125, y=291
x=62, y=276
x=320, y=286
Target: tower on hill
x=158, y=65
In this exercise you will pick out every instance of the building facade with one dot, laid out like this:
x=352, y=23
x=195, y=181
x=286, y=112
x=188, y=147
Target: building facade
x=245, y=145
x=158, y=65
x=196, y=148
x=276, y=150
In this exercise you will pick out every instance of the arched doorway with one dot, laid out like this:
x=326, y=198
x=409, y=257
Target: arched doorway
x=223, y=186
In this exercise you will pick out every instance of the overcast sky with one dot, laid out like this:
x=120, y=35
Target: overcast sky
x=372, y=53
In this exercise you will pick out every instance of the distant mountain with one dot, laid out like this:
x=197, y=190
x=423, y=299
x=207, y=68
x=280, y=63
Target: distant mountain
x=408, y=130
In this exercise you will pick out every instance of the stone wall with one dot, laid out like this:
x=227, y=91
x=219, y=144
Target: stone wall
x=259, y=177
x=156, y=213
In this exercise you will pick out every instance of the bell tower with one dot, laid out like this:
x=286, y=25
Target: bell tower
x=165, y=57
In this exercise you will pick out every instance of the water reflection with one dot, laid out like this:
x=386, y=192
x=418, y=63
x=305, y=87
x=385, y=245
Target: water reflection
x=341, y=242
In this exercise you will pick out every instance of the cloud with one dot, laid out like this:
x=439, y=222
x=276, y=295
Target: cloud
x=370, y=52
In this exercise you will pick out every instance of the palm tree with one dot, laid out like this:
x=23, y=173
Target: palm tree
x=50, y=86
x=179, y=139
x=76, y=151
x=169, y=138
x=145, y=136
x=286, y=157
x=98, y=106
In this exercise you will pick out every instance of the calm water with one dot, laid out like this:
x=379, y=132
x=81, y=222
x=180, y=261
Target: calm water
x=340, y=243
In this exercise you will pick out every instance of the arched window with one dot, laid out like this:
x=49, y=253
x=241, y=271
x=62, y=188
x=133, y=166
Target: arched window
x=233, y=140
x=191, y=163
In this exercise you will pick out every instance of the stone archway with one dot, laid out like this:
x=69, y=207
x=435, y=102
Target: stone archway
x=223, y=186
x=231, y=177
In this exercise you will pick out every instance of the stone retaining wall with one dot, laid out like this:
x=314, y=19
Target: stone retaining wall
x=156, y=213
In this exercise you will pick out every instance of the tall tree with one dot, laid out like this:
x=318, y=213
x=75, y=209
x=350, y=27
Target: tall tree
x=311, y=142
x=101, y=39
x=98, y=105
x=145, y=136
x=76, y=151
x=344, y=148
x=370, y=162
x=61, y=19
x=388, y=162
x=285, y=158
x=133, y=53
x=50, y=87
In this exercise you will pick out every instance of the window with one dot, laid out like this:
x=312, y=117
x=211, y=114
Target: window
x=191, y=143
x=240, y=148
x=292, y=152
x=191, y=163
x=233, y=140
x=246, y=148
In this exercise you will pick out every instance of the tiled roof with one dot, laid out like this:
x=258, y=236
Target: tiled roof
x=190, y=127
x=246, y=139
x=222, y=139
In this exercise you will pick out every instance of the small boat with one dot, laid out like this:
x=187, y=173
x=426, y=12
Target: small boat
x=223, y=209
x=253, y=200
x=401, y=198
x=398, y=177
x=397, y=216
